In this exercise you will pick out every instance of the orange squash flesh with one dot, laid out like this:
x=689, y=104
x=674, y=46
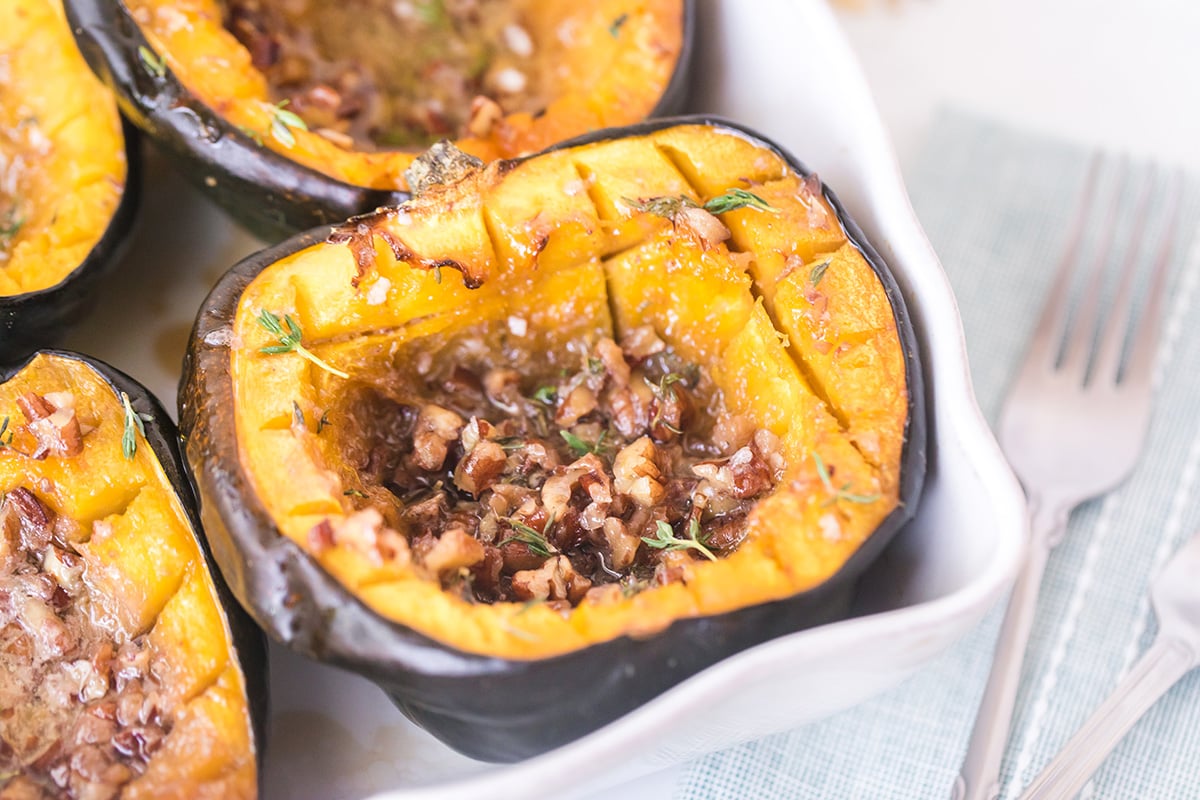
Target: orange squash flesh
x=608, y=63
x=62, y=149
x=553, y=241
x=144, y=566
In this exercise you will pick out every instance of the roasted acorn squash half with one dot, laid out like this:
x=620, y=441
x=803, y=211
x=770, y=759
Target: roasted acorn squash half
x=70, y=172
x=558, y=432
x=298, y=114
x=128, y=667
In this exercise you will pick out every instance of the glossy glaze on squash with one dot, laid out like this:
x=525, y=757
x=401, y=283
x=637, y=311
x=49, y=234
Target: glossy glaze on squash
x=145, y=575
x=602, y=63
x=62, y=152
x=788, y=318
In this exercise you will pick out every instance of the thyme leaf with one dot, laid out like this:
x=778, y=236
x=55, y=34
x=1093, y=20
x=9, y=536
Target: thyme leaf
x=579, y=446
x=665, y=538
x=133, y=426
x=546, y=394
x=733, y=199
x=6, y=436
x=323, y=421
x=297, y=414
x=354, y=493
x=290, y=341
x=534, y=539
x=843, y=493
x=614, y=29
x=282, y=123
x=818, y=272
x=155, y=66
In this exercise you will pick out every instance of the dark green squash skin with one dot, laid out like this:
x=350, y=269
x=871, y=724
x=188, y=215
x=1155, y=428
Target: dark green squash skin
x=265, y=191
x=249, y=643
x=40, y=318
x=489, y=708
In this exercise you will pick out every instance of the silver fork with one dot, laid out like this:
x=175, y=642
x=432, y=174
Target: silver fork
x=1072, y=427
x=1175, y=595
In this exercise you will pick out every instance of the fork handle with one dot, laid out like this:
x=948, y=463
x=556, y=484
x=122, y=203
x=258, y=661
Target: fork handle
x=979, y=778
x=1159, y=669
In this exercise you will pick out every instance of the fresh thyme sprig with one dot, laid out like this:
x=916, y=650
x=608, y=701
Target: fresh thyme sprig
x=154, y=65
x=665, y=538
x=282, y=122
x=134, y=425
x=843, y=493
x=535, y=540
x=669, y=206
x=6, y=436
x=290, y=341
x=666, y=391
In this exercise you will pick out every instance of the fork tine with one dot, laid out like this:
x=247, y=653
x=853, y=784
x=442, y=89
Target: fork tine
x=1107, y=362
x=1140, y=368
x=1078, y=348
x=1046, y=342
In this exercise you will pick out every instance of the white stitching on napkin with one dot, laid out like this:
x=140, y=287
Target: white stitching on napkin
x=1173, y=529
x=1033, y=731
x=1083, y=583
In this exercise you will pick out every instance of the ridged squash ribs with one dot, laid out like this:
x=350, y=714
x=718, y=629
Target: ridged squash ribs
x=785, y=325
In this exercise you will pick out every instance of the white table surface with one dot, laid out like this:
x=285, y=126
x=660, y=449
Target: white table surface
x=1122, y=76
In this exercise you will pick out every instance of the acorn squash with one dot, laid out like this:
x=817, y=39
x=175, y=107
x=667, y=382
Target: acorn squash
x=297, y=114
x=128, y=668
x=70, y=178
x=558, y=432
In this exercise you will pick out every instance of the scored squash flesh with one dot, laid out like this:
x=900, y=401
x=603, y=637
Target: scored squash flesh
x=61, y=147
x=112, y=595
x=335, y=88
x=533, y=263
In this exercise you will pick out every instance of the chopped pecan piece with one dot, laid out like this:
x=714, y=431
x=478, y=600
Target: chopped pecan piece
x=453, y=550
x=622, y=545
x=554, y=580
x=636, y=474
x=435, y=429
x=55, y=428
x=481, y=468
x=23, y=513
x=642, y=342
x=578, y=403
x=614, y=361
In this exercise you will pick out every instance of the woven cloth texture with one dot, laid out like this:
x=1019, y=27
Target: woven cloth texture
x=998, y=203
